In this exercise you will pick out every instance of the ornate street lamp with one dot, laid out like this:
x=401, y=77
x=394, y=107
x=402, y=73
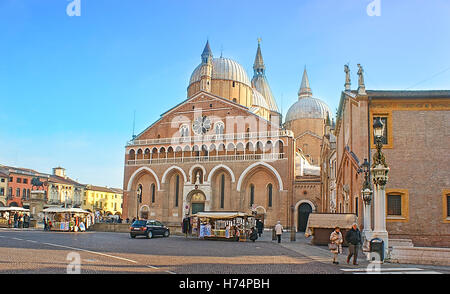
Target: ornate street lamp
x=380, y=172
x=366, y=195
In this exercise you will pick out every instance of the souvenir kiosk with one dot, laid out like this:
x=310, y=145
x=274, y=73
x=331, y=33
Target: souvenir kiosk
x=232, y=226
x=68, y=219
x=7, y=215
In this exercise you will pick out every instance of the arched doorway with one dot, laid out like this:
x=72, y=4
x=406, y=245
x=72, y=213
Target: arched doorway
x=304, y=210
x=197, y=202
x=144, y=212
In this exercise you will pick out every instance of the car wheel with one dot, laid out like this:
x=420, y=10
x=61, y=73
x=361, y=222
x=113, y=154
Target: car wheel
x=132, y=236
x=166, y=234
x=149, y=235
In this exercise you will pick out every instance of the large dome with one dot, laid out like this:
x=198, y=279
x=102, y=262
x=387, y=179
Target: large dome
x=223, y=69
x=308, y=107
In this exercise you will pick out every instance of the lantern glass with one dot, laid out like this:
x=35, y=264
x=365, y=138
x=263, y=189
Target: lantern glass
x=378, y=127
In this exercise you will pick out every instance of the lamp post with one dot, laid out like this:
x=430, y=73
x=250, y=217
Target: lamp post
x=366, y=194
x=380, y=172
x=292, y=224
x=138, y=200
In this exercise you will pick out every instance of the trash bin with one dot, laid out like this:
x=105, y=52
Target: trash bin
x=377, y=245
x=274, y=234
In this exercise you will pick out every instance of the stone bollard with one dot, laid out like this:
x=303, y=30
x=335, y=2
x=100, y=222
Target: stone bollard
x=274, y=235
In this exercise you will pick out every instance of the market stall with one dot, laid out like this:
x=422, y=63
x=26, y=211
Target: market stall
x=320, y=226
x=68, y=219
x=7, y=215
x=222, y=225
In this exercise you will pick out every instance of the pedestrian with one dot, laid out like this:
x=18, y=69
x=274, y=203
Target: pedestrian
x=16, y=220
x=185, y=225
x=336, y=243
x=259, y=227
x=279, y=231
x=26, y=221
x=45, y=223
x=20, y=221
x=353, y=238
x=134, y=219
x=127, y=220
x=253, y=234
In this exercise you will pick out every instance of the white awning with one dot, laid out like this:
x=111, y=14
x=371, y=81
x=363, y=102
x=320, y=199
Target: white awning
x=65, y=210
x=13, y=208
x=220, y=215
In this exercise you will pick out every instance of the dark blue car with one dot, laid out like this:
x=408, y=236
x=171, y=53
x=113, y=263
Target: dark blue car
x=149, y=229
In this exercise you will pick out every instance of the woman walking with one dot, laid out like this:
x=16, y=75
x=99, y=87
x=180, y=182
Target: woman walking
x=336, y=244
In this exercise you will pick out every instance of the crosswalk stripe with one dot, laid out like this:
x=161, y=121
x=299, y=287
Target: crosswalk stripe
x=382, y=269
x=399, y=273
x=391, y=270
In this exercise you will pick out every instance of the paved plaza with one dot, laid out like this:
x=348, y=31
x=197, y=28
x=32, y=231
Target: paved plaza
x=36, y=251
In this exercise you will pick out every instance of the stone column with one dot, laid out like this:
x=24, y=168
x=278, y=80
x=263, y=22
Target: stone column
x=380, y=179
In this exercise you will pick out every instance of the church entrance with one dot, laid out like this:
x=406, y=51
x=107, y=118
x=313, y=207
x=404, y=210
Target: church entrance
x=304, y=210
x=197, y=202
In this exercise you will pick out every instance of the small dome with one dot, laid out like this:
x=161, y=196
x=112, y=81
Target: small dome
x=308, y=107
x=223, y=69
x=259, y=100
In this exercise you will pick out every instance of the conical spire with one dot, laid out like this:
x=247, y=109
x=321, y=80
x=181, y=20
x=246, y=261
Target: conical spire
x=207, y=53
x=305, y=90
x=259, y=66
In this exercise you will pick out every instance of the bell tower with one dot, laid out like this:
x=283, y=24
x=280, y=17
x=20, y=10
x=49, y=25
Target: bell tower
x=206, y=69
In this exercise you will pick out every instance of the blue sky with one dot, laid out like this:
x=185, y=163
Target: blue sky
x=69, y=85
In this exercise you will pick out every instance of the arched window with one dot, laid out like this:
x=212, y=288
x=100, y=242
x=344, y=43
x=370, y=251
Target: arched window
x=252, y=194
x=222, y=191
x=153, y=193
x=177, y=189
x=219, y=128
x=184, y=131
x=269, y=194
x=132, y=155
x=24, y=193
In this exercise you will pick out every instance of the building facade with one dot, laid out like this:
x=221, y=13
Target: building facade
x=62, y=190
x=416, y=147
x=3, y=186
x=225, y=149
x=108, y=201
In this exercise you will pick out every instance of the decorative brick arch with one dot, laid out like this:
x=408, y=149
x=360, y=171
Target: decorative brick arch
x=144, y=168
x=211, y=173
x=192, y=169
x=248, y=169
x=163, y=179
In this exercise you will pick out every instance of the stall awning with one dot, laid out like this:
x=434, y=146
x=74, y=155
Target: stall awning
x=14, y=208
x=64, y=210
x=330, y=221
x=221, y=215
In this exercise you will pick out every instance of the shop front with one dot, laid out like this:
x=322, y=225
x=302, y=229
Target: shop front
x=68, y=219
x=7, y=215
x=232, y=226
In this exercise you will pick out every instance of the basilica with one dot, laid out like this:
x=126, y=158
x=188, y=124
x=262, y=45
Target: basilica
x=228, y=148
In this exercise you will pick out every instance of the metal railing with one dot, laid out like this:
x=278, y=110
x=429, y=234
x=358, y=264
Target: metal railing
x=218, y=158
x=212, y=138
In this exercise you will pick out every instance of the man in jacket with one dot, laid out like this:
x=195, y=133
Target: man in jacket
x=353, y=238
x=259, y=227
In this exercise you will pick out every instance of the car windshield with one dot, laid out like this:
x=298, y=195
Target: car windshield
x=139, y=223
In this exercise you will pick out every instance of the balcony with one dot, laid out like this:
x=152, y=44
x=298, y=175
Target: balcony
x=213, y=138
x=218, y=158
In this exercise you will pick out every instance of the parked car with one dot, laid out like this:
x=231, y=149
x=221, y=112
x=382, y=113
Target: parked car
x=149, y=229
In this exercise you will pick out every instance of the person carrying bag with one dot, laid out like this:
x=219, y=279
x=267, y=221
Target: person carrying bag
x=335, y=246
